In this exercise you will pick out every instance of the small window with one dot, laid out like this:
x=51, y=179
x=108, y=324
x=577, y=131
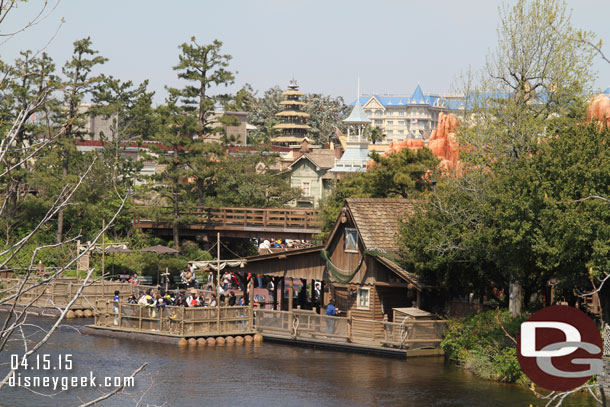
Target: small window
x=378, y=113
x=378, y=121
x=305, y=186
x=389, y=132
x=390, y=113
x=401, y=122
x=401, y=113
x=390, y=122
x=351, y=240
x=401, y=132
x=363, y=298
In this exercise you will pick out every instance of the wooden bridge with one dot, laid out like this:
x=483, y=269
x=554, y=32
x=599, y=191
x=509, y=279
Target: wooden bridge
x=199, y=221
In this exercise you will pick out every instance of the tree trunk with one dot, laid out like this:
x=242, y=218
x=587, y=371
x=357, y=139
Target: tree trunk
x=175, y=230
x=515, y=299
x=60, y=214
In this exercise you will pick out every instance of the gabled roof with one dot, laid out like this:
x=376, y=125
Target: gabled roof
x=418, y=95
x=377, y=220
x=322, y=159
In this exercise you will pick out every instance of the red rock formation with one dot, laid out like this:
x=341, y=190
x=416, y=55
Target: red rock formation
x=599, y=110
x=442, y=143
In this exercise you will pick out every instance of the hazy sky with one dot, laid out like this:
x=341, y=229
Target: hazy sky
x=392, y=45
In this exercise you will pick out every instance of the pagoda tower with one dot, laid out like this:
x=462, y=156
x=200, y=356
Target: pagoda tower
x=293, y=118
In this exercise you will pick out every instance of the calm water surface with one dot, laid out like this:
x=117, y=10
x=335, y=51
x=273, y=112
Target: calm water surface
x=264, y=375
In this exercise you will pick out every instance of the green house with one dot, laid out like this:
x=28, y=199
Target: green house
x=310, y=173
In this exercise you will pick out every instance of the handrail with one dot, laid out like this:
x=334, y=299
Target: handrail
x=302, y=218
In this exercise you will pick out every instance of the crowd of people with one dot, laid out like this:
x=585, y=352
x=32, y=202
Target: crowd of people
x=281, y=243
x=186, y=298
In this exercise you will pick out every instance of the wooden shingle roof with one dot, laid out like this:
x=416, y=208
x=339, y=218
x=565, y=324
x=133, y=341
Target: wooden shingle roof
x=377, y=220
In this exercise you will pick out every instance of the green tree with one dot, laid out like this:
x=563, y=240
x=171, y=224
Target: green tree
x=400, y=175
x=326, y=115
x=203, y=67
x=536, y=73
x=130, y=113
x=79, y=82
x=174, y=154
x=376, y=134
x=25, y=93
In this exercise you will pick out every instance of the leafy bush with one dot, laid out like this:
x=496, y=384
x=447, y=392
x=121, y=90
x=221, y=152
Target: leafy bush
x=480, y=345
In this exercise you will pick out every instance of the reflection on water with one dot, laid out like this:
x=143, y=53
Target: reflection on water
x=265, y=375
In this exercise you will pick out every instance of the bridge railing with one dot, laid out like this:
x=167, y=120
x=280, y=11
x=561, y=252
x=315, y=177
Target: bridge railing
x=295, y=218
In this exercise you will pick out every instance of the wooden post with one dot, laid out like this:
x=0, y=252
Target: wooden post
x=218, y=284
x=250, y=305
x=349, y=326
x=385, y=329
x=290, y=294
x=104, y=247
x=120, y=315
x=182, y=320
x=140, y=317
x=281, y=294
x=276, y=286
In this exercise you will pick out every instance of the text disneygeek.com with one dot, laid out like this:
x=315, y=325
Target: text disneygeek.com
x=62, y=362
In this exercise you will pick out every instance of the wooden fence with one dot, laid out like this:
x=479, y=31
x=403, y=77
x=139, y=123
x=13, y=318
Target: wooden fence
x=300, y=324
x=293, y=218
x=58, y=292
x=174, y=320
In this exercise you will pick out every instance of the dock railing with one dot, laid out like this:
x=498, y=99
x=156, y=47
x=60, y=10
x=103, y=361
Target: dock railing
x=174, y=320
x=301, y=324
x=59, y=291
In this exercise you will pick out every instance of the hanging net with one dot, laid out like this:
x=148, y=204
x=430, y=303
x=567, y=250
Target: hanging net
x=339, y=275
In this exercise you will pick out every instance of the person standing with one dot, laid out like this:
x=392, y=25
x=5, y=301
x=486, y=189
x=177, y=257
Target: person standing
x=331, y=311
x=115, y=306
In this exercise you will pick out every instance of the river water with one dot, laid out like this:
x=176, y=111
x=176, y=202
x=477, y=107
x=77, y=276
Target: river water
x=255, y=375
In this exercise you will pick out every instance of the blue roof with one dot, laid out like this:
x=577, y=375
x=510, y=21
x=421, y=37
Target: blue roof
x=357, y=115
x=418, y=95
x=353, y=160
x=418, y=98
x=607, y=91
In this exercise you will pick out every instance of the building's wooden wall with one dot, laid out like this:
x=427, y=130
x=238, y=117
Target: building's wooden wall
x=395, y=297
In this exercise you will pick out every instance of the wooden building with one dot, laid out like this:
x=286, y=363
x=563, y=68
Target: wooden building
x=356, y=264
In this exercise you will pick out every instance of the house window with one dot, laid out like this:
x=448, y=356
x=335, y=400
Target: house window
x=363, y=298
x=389, y=132
x=378, y=113
x=401, y=132
x=378, y=121
x=305, y=186
x=350, y=243
x=390, y=113
x=390, y=122
x=401, y=113
x=401, y=122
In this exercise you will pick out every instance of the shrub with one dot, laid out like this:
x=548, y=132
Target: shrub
x=480, y=345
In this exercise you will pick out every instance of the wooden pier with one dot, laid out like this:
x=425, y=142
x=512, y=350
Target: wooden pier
x=406, y=339
x=174, y=321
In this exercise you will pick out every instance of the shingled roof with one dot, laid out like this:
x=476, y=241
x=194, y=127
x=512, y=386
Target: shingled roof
x=377, y=220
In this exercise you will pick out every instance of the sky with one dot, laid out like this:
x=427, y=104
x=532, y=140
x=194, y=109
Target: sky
x=391, y=45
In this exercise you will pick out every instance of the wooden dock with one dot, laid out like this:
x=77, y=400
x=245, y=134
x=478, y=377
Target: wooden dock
x=174, y=321
x=409, y=338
